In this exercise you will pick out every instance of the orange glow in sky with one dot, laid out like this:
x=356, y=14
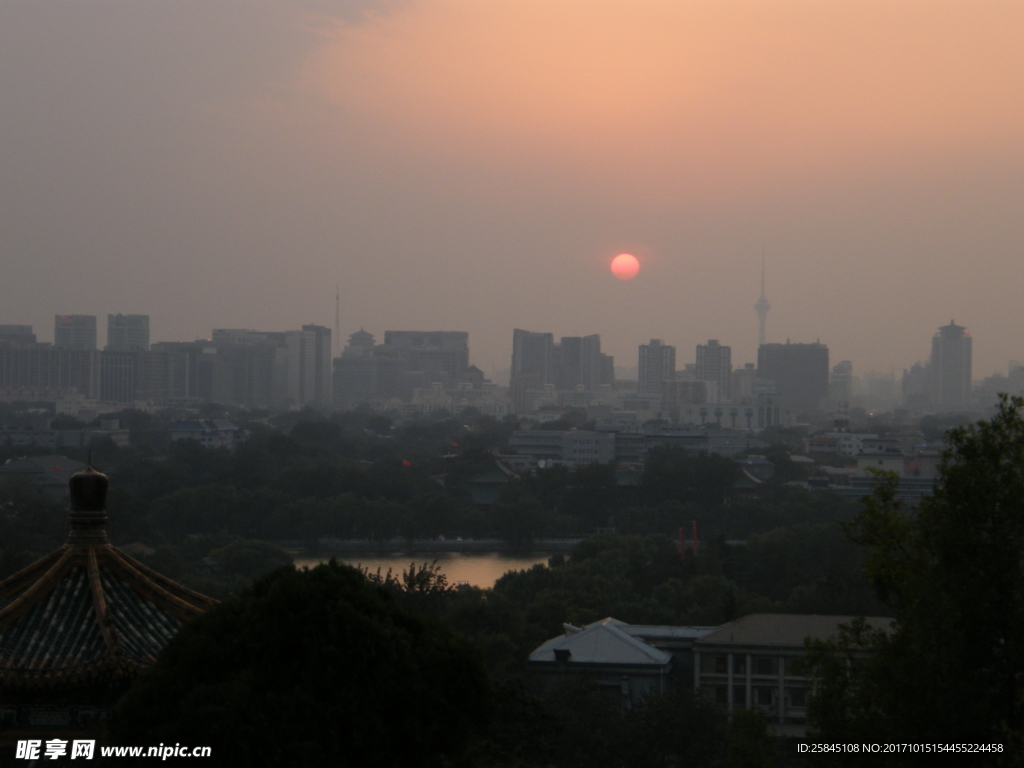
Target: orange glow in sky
x=682, y=98
x=457, y=164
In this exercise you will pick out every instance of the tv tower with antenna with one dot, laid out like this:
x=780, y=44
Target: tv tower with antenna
x=337, y=320
x=762, y=307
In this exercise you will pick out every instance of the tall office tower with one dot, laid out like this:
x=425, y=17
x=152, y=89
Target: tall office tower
x=322, y=378
x=127, y=333
x=567, y=362
x=951, y=367
x=762, y=308
x=74, y=331
x=337, y=321
x=714, y=363
x=17, y=334
x=579, y=362
x=308, y=366
x=533, y=353
x=800, y=373
x=590, y=362
x=657, y=365
x=607, y=370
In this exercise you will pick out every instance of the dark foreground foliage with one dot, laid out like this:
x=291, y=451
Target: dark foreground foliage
x=951, y=572
x=311, y=668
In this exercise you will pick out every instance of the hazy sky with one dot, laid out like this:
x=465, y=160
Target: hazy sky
x=475, y=165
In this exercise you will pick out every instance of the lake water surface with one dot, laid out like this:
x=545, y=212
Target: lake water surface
x=480, y=569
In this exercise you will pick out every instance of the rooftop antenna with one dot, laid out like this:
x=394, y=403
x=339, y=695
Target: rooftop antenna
x=762, y=307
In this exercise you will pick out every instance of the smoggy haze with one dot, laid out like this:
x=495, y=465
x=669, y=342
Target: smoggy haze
x=475, y=165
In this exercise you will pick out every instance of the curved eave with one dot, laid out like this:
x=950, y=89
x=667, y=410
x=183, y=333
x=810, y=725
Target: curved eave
x=88, y=613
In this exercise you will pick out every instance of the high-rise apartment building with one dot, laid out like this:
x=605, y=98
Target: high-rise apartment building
x=657, y=364
x=951, y=367
x=533, y=353
x=319, y=389
x=590, y=362
x=74, y=331
x=128, y=333
x=800, y=373
x=714, y=363
x=579, y=362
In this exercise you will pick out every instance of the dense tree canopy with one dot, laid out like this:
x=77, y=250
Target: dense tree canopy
x=951, y=572
x=311, y=668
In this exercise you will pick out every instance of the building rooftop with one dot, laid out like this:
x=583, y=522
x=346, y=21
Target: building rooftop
x=88, y=612
x=781, y=629
x=659, y=632
x=603, y=642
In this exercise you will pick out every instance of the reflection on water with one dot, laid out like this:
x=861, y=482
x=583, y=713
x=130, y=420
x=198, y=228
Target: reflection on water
x=481, y=569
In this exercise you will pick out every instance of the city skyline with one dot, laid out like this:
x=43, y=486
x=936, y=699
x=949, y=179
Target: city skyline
x=629, y=360
x=489, y=160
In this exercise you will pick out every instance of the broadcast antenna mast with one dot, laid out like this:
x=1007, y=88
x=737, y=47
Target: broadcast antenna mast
x=762, y=306
x=337, y=319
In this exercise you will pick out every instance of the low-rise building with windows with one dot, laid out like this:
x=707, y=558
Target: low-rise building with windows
x=753, y=663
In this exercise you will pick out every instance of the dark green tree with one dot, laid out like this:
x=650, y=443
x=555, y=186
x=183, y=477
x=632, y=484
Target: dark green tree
x=674, y=474
x=952, y=572
x=311, y=668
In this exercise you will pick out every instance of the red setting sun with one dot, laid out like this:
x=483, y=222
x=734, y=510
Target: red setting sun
x=625, y=266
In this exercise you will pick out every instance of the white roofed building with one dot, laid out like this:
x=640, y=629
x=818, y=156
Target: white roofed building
x=625, y=667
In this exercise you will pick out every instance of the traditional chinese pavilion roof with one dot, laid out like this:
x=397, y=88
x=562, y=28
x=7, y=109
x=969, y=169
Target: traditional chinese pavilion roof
x=88, y=613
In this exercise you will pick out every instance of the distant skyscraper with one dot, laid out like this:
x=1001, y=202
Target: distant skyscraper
x=128, y=333
x=590, y=362
x=318, y=390
x=533, y=353
x=714, y=363
x=74, y=331
x=607, y=369
x=951, y=367
x=579, y=362
x=800, y=373
x=657, y=364
x=762, y=308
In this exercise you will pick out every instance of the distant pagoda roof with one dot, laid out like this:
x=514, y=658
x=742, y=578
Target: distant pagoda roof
x=88, y=612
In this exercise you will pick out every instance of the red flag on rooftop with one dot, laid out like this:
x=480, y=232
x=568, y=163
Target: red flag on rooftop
x=406, y=463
